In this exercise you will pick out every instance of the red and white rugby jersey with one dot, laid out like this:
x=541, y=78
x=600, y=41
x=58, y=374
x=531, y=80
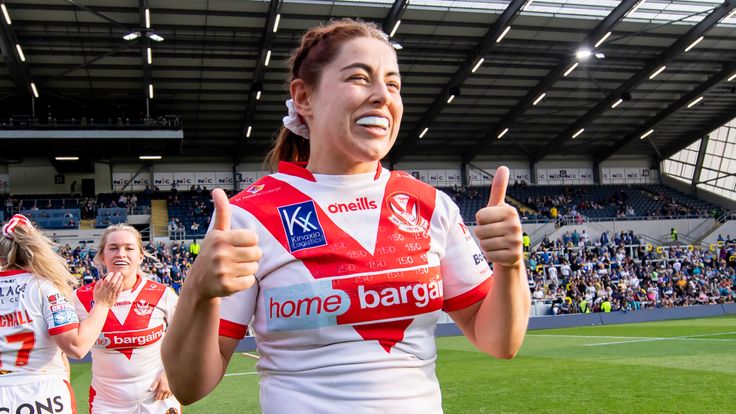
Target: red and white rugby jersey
x=127, y=356
x=31, y=311
x=355, y=272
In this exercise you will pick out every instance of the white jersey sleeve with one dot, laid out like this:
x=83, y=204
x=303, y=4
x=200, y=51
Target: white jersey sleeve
x=237, y=310
x=79, y=308
x=57, y=310
x=465, y=271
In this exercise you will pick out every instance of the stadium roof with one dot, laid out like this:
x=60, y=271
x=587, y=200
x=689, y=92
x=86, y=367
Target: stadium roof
x=209, y=70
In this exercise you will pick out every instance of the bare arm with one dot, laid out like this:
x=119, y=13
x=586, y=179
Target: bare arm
x=195, y=356
x=77, y=342
x=497, y=324
x=192, y=353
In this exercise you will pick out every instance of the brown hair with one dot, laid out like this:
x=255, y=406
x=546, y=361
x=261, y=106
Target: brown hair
x=319, y=46
x=32, y=251
x=121, y=227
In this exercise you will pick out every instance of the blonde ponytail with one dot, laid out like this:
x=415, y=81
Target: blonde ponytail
x=32, y=251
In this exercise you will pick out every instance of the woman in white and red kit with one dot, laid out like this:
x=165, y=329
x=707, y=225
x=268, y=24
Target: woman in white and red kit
x=344, y=265
x=127, y=373
x=38, y=322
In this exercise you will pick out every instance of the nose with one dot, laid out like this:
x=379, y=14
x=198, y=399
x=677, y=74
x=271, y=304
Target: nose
x=381, y=95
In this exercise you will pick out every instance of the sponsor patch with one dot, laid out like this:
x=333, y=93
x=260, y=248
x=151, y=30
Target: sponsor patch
x=62, y=307
x=58, y=299
x=353, y=300
x=307, y=305
x=64, y=317
x=130, y=339
x=302, y=227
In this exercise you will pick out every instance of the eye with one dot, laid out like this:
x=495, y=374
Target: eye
x=394, y=85
x=359, y=77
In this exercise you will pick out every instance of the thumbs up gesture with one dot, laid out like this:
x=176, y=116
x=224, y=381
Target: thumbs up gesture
x=499, y=228
x=228, y=258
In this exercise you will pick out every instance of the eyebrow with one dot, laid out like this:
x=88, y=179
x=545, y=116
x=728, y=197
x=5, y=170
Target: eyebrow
x=366, y=68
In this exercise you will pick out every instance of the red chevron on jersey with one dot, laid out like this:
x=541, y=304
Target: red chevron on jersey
x=341, y=254
x=303, y=228
x=139, y=312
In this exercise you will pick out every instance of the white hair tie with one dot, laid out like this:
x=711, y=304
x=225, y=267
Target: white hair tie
x=293, y=122
x=9, y=229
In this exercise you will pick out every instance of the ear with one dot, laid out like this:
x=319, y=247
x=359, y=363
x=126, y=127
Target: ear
x=300, y=94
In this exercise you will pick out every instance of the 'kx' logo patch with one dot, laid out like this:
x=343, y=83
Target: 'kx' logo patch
x=302, y=227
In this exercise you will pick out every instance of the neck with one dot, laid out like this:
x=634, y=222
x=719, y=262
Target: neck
x=340, y=168
x=129, y=281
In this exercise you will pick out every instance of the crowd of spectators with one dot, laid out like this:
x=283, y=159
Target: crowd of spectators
x=165, y=263
x=572, y=203
x=461, y=192
x=576, y=273
x=579, y=274
x=674, y=208
x=567, y=206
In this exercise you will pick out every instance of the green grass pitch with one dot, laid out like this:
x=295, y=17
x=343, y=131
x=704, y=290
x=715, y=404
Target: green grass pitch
x=679, y=366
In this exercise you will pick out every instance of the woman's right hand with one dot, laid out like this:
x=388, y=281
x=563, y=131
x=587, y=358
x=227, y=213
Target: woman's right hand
x=228, y=259
x=107, y=289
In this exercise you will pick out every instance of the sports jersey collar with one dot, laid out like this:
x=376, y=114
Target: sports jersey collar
x=138, y=280
x=12, y=272
x=298, y=169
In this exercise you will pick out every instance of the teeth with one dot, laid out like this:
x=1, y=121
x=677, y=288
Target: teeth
x=120, y=263
x=373, y=121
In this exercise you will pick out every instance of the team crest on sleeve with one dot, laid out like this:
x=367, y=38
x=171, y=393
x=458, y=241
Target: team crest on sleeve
x=405, y=212
x=302, y=227
x=255, y=188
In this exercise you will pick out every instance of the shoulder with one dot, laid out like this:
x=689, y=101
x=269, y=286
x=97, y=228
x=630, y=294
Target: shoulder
x=403, y=183
x=90, y=287
x=256, y=192
x=151, y=284
x=85, y=294
x=405, y=179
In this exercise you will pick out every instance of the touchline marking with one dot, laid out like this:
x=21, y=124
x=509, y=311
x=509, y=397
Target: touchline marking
x=249, y=355
x=236, y=374
x=700, y=337
x=589, y=336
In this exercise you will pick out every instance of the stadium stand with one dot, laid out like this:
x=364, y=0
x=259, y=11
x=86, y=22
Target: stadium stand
x=54, y=218
x=111, y=215
x=608, y=201
x=576, y=274
x=189, y=212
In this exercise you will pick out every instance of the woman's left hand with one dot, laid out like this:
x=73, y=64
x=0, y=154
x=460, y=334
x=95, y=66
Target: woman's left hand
x=160, y=387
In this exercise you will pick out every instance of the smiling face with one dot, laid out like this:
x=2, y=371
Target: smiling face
x=122, y=253
x=354, y=112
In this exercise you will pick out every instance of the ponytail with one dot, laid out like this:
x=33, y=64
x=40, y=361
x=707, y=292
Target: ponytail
x=289, y=147
x=33, y=252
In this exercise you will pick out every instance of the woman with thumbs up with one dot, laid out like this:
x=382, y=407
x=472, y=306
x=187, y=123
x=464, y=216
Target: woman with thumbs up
x=344, y=265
